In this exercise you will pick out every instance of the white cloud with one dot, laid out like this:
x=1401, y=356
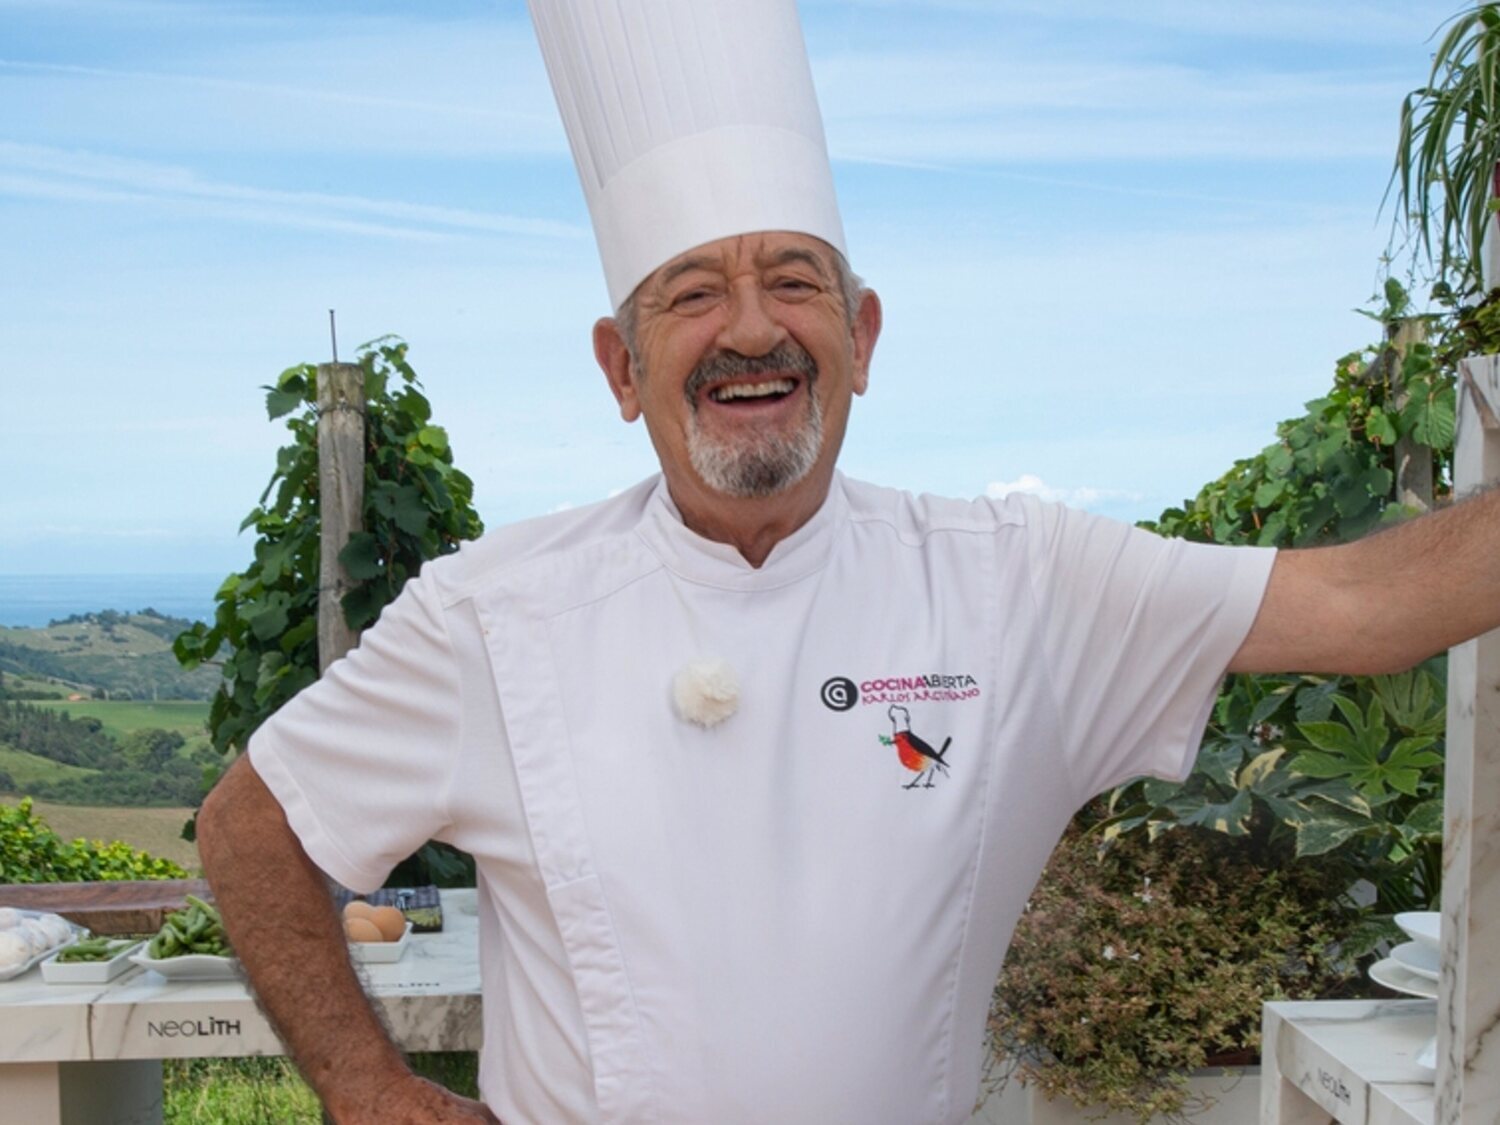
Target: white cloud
x=966, y=106
x=38, y=171
x=1083, y=497
x=1335, y=22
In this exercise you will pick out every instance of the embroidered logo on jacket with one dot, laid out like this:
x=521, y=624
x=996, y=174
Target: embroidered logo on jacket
x=915, y=753
x=840, y=693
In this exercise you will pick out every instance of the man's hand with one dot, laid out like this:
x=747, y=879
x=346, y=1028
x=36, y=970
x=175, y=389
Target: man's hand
x=282, y=924
x=1384, y=603
x=414, y=1101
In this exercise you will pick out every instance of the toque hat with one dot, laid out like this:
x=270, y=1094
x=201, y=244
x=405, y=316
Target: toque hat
x=689, y=121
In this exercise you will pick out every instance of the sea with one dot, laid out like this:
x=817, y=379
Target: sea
x=34, y=600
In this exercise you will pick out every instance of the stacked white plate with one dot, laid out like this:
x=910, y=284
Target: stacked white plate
x=1413, y=968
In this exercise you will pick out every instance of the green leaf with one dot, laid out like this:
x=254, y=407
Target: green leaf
x=362, y=606
x=300, y=633
x=1231, y=818
x=281, y=403
x=270, y=620
x=1270, y=491
x=1315, y=700
x=1259, y=768
x=1426, y=819
x=1325, y=834
x=1156, y=791
x=1269, y=704
x=361, y=557
x=1339, y=793
x=1289, y=812
x=1216, y=762
x=410, y=510
x=1314, y=764
x=1379, y=427
x=1335, y=738
x=434, y=438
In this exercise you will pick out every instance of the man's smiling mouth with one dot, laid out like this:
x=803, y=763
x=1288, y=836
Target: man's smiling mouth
x=770, y=389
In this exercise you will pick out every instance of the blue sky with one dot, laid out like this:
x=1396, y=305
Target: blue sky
x=1116, y=244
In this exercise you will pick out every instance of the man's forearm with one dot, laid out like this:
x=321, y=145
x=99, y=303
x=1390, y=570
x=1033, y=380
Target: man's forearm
x=284, y=929
x=1385, y=602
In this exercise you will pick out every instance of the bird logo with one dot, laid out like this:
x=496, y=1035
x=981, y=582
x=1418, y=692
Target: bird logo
x=914, y=752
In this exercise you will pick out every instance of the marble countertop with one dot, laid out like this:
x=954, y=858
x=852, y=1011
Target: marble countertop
x=429, y=999
x=1356, y=1058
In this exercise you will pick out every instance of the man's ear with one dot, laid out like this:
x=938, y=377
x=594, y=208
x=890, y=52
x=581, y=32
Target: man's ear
x=865, y=331
x=614, y=360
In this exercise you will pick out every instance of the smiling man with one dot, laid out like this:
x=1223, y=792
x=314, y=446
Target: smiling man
x=758, y=764
x=742, y=356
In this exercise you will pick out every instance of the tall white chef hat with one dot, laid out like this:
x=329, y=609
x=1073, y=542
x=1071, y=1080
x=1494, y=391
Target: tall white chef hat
x=689, y=120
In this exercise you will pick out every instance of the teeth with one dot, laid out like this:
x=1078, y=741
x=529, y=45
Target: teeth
x=753, y=390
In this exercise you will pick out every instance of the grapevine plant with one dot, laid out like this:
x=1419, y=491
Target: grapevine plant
x=416, y=506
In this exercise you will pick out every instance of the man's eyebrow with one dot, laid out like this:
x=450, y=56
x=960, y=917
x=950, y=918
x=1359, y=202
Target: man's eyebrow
x=671, y=273
x=795, y=254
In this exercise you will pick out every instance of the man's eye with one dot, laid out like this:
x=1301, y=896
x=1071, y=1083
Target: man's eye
x=794, y=287
x=692, y=297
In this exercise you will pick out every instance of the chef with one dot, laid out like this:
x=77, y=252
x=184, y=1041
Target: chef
x=758, y=763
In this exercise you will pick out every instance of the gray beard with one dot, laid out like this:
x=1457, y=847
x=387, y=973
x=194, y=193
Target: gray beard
x=755, y=465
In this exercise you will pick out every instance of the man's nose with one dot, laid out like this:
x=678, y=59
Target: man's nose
x=750, y=328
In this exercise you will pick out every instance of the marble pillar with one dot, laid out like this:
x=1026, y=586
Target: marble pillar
x=1468, y=1072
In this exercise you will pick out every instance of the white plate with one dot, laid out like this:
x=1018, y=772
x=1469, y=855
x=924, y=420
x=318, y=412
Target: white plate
x=87, y=972
x=1417, y=958
x=1391, y=974
x=38, y=958
x=190, y=966
x=380, y=952
x=1425, y=926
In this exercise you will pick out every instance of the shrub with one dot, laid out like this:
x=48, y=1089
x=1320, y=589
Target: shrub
x=1134, y=966
x=30, y=852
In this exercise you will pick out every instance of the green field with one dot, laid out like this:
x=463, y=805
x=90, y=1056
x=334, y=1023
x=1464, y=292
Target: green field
x=25, y=769
x=158, y=831
x=124, y=717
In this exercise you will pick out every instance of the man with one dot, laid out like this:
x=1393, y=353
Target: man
x=758, y=764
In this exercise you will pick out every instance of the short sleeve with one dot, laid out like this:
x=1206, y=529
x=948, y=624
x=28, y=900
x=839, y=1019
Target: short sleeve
x=1138, y=632
x=362, y=760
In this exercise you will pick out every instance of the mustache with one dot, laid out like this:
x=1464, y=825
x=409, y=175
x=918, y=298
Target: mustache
x=787, y=356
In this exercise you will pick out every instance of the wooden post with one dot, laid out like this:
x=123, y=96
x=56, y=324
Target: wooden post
x=1468, y=1071
x=1413, y=460
x=341, y=496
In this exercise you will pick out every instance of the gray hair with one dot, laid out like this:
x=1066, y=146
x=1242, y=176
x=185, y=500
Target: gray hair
x=851, y=286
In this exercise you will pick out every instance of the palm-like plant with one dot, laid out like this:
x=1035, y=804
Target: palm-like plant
x=1449, y=146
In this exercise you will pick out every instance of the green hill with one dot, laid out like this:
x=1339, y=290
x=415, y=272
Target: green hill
x=107, y=655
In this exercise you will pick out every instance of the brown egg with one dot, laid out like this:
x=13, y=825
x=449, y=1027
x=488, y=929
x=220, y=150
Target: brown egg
x=362, y=929
x=358, y=908
x=391, y=921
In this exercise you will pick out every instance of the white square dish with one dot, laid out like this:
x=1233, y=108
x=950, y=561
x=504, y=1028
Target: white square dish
x=380, y=952
x=87, y=972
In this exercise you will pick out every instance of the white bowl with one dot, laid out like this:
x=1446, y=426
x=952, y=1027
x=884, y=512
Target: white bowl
x=1425, y=926
x=1417, y=958
x=190, y=966
x=380, y=952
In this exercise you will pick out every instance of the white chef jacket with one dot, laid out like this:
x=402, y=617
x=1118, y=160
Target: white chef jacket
x=779, y=919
